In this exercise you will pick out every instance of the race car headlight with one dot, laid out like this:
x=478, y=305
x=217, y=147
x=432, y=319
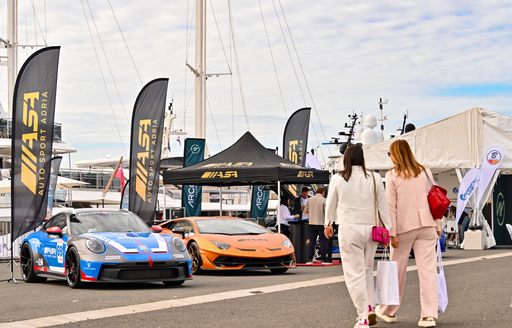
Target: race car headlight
x=179, y=245
x=287, y=243
x=221, y=245
x=95, y=246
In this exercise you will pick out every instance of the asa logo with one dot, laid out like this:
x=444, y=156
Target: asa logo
x=219, y=174
x=296, y=151
x=145, y=171
x=305, y=174
x=33, y=141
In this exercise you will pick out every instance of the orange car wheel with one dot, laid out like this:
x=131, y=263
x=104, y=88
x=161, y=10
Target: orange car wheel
x=195, y=256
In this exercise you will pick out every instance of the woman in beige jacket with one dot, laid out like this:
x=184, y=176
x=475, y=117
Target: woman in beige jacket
x=407, y=187
x=351, y=204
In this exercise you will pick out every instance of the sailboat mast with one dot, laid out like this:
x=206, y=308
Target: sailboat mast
x=200, y=70
x=12, y=50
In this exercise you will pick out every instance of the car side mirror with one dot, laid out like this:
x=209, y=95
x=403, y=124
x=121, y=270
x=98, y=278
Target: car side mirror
x=54, y=231
x=187, y=234
x=156, y=229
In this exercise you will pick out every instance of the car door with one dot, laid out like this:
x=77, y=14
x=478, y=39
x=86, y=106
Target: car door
x=54, y=247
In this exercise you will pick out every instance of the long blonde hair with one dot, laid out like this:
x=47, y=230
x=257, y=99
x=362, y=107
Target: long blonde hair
x=406, y=165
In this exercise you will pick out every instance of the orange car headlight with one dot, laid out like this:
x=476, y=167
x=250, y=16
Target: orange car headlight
x=286, y=243
x=221, y=245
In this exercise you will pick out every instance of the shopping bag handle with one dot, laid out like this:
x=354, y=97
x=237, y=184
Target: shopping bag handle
x=439, y=256
x=385, y=254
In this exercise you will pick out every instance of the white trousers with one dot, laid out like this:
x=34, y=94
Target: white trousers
x=357, y=255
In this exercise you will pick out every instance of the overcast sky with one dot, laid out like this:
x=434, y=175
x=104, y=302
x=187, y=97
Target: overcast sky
x=432, y=60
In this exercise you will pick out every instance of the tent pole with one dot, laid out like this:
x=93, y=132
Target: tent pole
x=220, y=196
x=278, y=206
x=165, y=204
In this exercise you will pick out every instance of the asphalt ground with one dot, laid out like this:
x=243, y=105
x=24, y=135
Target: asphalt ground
x=480, y=295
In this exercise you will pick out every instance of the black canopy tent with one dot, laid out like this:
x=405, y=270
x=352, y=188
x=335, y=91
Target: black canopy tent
x=246, y=162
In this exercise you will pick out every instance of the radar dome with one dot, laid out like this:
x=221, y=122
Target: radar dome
x=370, y=137
x=370, y=121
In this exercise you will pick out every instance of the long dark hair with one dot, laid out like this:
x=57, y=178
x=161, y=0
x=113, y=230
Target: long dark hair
x=353, y=156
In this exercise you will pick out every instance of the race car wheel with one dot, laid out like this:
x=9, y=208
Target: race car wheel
x=175, y=283
x=27, y=265
x=73, y=269
x=279, y=270
x=195, y=256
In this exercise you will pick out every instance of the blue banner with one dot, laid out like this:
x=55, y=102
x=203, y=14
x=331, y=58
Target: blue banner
x=259, y=201
x=191, y=194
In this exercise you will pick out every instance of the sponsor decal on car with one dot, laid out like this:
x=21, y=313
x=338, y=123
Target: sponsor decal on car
x=112, y=257
x=60, y=252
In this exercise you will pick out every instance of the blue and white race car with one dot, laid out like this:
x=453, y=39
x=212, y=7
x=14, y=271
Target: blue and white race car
x=102, y=245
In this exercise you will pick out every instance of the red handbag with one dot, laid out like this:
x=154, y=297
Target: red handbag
x=379, y=233
x=437, y=200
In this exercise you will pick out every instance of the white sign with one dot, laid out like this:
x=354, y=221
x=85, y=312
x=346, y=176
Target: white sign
x=467, y=187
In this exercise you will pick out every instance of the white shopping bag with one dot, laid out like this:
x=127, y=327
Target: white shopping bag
x=442, y=291
x=386, y=286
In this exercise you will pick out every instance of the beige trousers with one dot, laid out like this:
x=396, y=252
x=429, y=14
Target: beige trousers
x=357, y=255
x=423, y=241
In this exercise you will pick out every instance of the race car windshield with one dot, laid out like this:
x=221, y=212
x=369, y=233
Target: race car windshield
x=90, y=222
x=230, y=227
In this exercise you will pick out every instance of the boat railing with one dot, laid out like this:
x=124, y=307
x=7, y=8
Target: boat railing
x=6, y=130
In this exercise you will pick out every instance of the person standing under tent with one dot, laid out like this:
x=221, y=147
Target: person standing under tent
x=300, y=202
x=351, y=201
x=285, y=216
x=407, y=187
x=315, y=210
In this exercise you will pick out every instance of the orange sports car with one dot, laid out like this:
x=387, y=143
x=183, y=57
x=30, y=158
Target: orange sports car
x=224, y=243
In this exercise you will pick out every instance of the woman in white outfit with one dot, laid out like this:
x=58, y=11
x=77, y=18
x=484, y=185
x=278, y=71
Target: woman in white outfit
x=351, y=200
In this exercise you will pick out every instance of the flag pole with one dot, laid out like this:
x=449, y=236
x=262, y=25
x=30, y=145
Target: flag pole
x=107, y=187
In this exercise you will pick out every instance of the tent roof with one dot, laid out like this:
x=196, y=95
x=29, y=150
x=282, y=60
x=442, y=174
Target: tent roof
x=458, y=141
x=246, y=162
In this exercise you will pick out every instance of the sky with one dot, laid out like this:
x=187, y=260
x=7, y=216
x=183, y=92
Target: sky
x=431, y=60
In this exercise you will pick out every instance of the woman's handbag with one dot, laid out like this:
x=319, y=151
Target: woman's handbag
x=437, y=200
x=379, y=233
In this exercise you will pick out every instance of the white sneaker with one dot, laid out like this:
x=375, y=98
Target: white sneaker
x=363, y=323
x=427, y=322
x=385, y=317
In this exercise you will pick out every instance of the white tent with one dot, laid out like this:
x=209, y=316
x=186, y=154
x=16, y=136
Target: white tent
x=458, y=141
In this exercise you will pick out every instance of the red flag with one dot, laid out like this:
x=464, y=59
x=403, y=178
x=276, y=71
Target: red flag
x=120, y=175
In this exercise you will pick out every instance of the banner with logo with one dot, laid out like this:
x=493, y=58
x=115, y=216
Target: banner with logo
x=467, y=187
x=54, y=175
x=146, y=147
x=295, y=141
x=490, y=163
x=191, y=195
x=259, y=201
x=32, y=139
